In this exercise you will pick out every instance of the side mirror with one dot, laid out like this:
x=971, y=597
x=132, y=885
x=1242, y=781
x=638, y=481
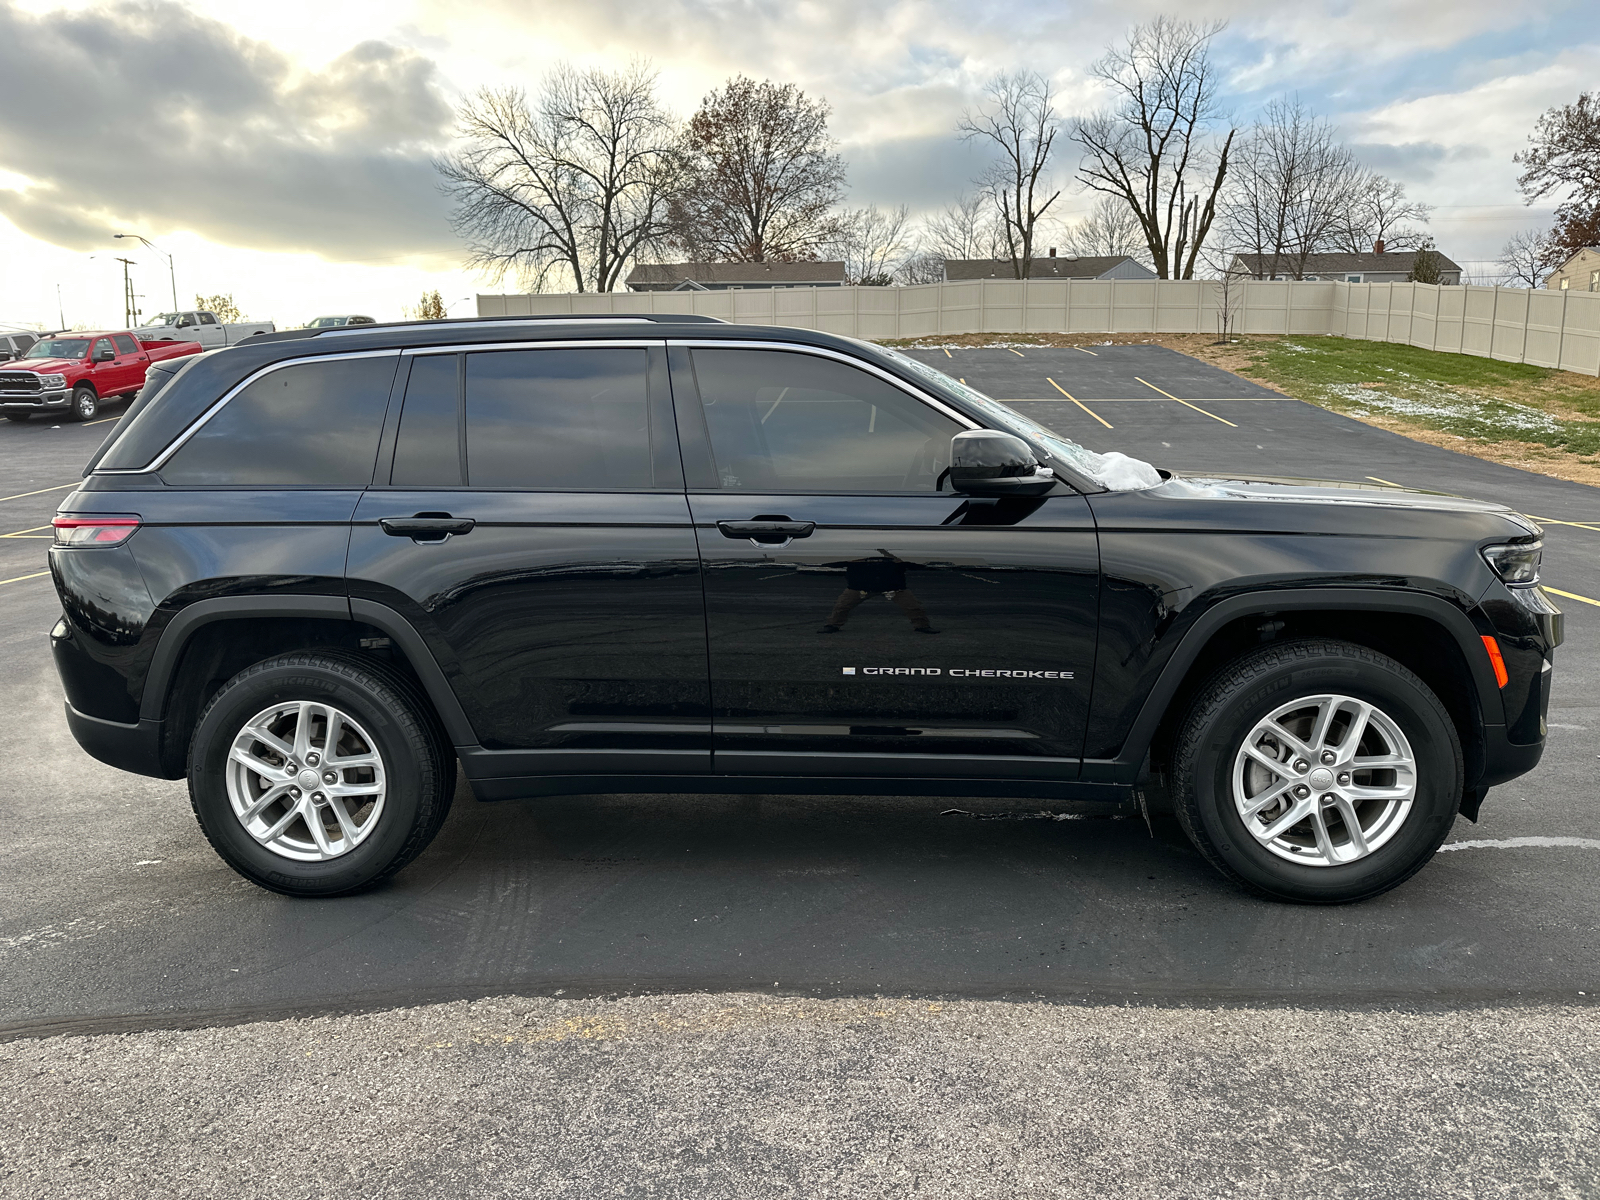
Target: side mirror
x=985, y=462
x=104, y=354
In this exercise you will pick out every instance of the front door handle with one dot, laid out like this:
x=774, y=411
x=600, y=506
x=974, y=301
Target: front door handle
x=426, y=527
x=767, y=531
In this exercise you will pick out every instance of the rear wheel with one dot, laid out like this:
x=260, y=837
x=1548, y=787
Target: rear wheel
x=1317, y=771
x=84, y=403
x=318, y=774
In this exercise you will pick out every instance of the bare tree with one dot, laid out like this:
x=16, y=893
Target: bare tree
x=1110, y=228
x=1154, y=147
x=924, y=266
x=964, y=230
x=1527, y=258
x=1381, y=213
x=1020, y=119
x=874, y=244
x=1427, y=265
x=572, y=188
x=1295, y=189
x=761, y=179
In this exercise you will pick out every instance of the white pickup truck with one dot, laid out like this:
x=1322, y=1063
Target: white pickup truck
x=196, y=325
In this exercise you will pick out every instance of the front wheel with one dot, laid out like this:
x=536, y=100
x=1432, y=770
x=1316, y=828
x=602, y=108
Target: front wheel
x=84, y=403
x=1317, y=771
x=318, y=774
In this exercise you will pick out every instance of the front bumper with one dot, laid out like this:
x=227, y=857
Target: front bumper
x=33, y=401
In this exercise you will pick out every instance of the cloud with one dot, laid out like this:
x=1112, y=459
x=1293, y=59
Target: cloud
x=148, y=117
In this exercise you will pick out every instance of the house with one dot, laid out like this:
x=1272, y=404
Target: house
x=1580, y=273
x=1108, y=266
x=1377, y=267
x=725, y=277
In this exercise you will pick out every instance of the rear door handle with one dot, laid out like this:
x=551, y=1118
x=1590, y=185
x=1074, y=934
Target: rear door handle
x=426, y=527
x=767, y=531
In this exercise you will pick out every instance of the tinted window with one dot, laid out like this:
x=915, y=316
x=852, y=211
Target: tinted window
x=24, y=340
x=427, y=452
x=206, y=318
x=795, y=422
x=314, y=424
x=573, y=419
x=125, y=344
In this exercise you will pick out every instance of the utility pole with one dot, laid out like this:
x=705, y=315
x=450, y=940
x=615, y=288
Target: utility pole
x=130, y=311
x=172, y=273
x=61, y=313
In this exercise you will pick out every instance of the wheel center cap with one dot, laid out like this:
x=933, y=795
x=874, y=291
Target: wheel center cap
x=1321, y=778
x=309, y=779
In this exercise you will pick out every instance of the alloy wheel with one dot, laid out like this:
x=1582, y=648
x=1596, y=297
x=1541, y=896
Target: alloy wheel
x=1324, y=780
x=306, y=781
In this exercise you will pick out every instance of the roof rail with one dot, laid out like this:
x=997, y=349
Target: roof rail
x=579, y=319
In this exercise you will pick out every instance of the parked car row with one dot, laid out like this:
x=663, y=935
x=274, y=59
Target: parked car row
x=74, y=374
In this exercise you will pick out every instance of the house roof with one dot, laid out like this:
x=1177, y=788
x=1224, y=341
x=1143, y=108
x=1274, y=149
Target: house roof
x=1043, y=268
x=748, y=272
x=1574, y=256
x=1337, y=264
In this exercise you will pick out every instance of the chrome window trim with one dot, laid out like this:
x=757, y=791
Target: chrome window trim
x=893, y=380
x=199, y=422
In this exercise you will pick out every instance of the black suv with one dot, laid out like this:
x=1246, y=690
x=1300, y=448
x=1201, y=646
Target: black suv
x=671, y=554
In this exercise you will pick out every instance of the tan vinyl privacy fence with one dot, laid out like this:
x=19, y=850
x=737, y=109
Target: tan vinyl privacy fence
x=1547, y=328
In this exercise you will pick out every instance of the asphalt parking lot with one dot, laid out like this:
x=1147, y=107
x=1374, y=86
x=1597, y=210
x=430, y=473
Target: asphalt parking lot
x=117, y=918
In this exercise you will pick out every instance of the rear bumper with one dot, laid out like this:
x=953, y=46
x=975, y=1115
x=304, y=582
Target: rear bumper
x=135, y=748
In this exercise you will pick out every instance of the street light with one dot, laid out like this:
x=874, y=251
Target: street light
x=453, y=303
x=171, y=271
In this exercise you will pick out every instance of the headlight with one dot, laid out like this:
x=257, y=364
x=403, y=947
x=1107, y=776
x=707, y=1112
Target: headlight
x=50, y=382
x=1516, y=562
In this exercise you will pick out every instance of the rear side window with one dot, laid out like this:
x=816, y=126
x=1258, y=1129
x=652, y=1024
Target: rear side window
x=206, y=318
x=125, y=344
x=571, y=419
x=781, y=421
x=308, y=425
x=427, y=452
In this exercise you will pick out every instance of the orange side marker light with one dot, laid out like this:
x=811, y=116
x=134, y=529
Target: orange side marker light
x=1496, y=661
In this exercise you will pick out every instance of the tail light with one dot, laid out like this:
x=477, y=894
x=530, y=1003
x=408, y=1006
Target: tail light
x=94, y=530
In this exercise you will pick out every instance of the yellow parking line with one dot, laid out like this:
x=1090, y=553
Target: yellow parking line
x=1081, y=350
x=22, y=533
x=1553, y=521
x=40, y=492
x=1186, y=404
x=1570, y=595
x=103, y=420
x=1018, y=353
x=1385, y=482
x=1078, y=402
x=42, y=574
x=947, y=354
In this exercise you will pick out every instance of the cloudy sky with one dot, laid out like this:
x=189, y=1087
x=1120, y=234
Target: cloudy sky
x=281, y=151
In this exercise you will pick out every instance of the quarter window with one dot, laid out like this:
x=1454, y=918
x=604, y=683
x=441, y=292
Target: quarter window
x=567, y=419
x=308, y=425
x=789, y=422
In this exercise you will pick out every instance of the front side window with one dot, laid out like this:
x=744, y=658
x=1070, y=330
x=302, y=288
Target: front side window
x=73, y=348
x=788, y=422
x=311, y=424
x=575, y=419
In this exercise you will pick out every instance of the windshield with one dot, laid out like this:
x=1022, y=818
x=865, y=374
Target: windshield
x=1114, y=471
x=59, y=348
x=164, y=319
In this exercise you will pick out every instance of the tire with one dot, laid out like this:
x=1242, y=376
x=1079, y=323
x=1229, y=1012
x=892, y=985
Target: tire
x=393, y=802
x=84, y=403
x=1318, y=859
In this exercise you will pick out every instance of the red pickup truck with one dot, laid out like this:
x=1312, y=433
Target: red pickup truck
x=75, y=373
